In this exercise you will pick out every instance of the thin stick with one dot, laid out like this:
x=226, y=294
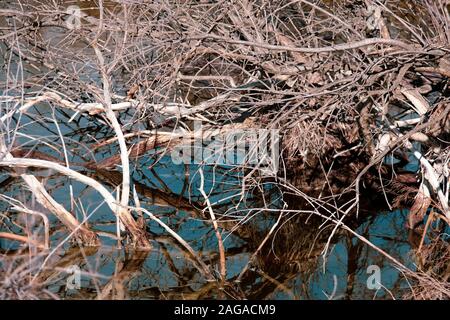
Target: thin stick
x=223, y=270
x=250, y=261
x=333, y=48
x=203, y=267
x=15, y=237
x=427, y=225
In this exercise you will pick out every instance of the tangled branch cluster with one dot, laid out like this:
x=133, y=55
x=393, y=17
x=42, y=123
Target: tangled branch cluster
x=348, y=84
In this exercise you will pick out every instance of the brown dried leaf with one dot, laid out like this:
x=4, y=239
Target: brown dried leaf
x=315, y=78
x=419, y=103
x=419, y=209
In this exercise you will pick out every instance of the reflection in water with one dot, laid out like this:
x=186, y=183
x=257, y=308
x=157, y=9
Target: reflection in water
x=287, y=272
x=290, y=266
